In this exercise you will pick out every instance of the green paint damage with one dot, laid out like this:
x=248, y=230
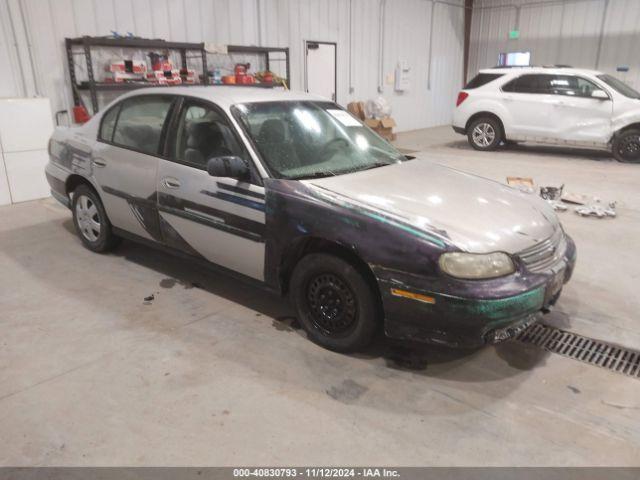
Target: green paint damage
x=499, y=309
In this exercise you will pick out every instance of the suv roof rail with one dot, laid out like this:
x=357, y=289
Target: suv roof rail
x=511, y=66
x=531, y=66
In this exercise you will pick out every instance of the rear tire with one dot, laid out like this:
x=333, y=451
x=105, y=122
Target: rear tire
x=91, y=221
x=626, y=146
x=335, y=304
x=484, y=134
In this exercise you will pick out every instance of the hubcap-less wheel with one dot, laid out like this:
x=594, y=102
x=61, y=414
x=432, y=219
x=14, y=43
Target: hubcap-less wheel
x=629, y=148
x=483, y=134
x=332, y=304
x=88, y=218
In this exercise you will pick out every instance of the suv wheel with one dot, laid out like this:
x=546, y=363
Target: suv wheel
x=484, y=134
x=334, y=303
x=626, y=146
x=91, y=222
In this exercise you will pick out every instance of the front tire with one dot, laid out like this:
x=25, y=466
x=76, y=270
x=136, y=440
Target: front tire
x=335, y=304
x=484, y=134
x=91, y=221
x=626, y=146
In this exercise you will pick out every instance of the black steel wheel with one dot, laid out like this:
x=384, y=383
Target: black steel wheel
x=336, y=305
x=626, y=146
x=332, y=304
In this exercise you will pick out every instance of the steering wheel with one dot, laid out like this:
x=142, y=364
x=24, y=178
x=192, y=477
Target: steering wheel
x=335, y=143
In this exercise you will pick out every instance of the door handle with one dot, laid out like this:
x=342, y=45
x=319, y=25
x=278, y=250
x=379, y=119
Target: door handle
x=171, y=182
x=98, y=162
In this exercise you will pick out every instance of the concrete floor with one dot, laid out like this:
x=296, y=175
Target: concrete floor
x=217, y=374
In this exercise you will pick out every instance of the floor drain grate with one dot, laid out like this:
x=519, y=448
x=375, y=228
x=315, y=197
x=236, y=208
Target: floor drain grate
x=587, y=350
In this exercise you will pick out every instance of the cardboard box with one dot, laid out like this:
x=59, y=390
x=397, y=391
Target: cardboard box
x=382, y=126
x=356, y=109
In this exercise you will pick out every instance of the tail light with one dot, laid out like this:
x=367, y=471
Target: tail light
x=462, y=96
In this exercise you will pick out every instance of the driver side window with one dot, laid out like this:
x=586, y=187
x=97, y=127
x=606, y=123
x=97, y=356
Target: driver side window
x=203, y=133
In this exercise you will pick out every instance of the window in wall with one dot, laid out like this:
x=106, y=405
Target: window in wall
x=514, y=59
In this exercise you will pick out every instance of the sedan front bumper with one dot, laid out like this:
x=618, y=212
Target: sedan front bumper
x=469, y=314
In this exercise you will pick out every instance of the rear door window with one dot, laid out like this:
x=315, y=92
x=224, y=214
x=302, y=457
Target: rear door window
x=140, y=123
x=530, y=83
x=482, y=79
x=108, y=124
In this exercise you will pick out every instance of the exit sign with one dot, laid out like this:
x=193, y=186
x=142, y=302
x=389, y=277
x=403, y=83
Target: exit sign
x=514, y=34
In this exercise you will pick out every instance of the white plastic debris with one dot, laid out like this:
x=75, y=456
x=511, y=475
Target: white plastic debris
x=377, y=108
x=597, y=210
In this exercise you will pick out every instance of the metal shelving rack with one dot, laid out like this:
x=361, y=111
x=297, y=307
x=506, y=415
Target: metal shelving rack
x=89, y=43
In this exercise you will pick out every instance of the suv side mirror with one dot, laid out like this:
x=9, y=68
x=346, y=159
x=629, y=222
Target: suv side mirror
x=599, y=94
x=228, y=166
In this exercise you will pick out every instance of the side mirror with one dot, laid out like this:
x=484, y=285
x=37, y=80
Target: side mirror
x=229, y=166
x=599, y=94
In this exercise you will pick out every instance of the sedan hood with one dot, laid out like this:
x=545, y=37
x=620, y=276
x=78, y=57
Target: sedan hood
x=476, y=214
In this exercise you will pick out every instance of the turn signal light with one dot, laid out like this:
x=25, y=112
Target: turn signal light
x=462, y=96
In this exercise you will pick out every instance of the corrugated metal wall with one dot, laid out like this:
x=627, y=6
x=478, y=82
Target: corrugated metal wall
x=257, y=22
x=600, y=34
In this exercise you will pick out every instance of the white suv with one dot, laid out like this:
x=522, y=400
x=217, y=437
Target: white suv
x=556, y=105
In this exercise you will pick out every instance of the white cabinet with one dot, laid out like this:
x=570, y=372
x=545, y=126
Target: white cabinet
x=5, y=197
x=25, y=128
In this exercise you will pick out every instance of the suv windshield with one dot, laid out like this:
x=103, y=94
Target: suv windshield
x=619, y=86
x=306, y=139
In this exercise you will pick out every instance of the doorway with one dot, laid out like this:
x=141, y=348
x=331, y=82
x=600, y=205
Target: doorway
x=320, y=68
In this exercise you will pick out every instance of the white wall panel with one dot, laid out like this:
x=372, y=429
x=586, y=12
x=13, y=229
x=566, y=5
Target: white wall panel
x=559, y=32
x=11, y=84
x=353, y=24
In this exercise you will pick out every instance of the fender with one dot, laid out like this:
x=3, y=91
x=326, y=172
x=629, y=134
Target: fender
x=493, y=107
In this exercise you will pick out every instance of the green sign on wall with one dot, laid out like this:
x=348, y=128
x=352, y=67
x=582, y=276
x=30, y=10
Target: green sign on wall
x=514, y=34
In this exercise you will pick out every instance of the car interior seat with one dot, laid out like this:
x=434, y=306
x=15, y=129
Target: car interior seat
x=204, y=141
x=272, y=143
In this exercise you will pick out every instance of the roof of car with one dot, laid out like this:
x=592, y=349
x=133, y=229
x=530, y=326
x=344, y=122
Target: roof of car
x=225, y=95
x=552, y=69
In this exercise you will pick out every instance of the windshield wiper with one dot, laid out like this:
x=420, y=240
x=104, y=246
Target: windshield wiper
x=329, y=173
x=313, y=175
x=369, y=167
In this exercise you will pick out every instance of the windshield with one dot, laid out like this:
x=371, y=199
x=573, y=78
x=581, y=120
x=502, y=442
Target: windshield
x=619, y=86
x=304, y=139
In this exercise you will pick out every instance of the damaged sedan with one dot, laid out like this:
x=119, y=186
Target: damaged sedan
x=291, y=191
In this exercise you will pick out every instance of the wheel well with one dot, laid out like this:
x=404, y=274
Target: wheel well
x=308, y=245
x=632, y=126
x=475, y=116
x=74, y=181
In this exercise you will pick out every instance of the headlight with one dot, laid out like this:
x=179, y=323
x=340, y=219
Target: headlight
x=476, y=266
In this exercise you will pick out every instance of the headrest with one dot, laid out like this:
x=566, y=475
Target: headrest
x=271, y=131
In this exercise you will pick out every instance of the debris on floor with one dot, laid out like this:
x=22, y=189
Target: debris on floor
x=524, y=184
x=556, y=197
x=553, y=197
x=575, y=198
x=597, y=210
x=149, y=299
